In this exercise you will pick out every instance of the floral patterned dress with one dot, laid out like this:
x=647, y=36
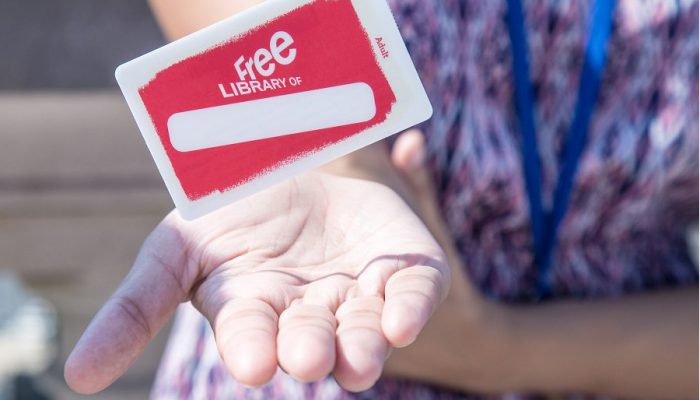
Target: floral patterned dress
x=635, y=191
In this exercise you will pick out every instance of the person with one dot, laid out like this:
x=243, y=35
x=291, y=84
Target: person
x=305, y=288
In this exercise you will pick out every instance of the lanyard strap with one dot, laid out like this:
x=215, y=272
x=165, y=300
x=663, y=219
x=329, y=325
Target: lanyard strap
x=545, y=226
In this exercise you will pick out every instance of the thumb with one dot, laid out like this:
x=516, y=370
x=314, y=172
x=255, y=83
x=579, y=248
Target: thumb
x=132, y=316
x=409, y=157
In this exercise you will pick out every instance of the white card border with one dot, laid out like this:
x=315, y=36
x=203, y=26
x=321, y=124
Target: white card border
x=412, y=105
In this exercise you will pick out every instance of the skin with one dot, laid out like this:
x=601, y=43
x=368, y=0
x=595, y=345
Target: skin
x=320, y=275
x=289, y=270
x=643, y=345
x=177, y=18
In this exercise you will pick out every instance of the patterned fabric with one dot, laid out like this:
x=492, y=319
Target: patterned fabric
x=636, y=187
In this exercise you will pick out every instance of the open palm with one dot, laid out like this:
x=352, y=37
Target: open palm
x=318, y=275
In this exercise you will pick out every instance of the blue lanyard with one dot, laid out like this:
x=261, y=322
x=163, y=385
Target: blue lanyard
x=545, y=225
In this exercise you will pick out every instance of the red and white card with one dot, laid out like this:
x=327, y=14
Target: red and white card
x=269, y=93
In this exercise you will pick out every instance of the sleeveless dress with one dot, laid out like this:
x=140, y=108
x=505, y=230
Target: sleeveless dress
x=635, y=194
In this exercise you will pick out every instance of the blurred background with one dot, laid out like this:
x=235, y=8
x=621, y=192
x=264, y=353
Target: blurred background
x=78, y=189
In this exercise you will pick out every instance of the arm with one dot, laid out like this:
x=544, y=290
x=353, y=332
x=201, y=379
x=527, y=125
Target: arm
x=642, y=345
x=638, y=345
x=178, y=18
x=317, y=275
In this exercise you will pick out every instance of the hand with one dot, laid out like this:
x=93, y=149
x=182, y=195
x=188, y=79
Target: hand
x=318, y=275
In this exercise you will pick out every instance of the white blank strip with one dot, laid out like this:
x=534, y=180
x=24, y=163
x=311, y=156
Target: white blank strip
x=271, y=117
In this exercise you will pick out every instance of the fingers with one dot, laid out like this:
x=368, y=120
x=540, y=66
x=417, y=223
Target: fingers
x=131, y=317
x=408, y=156
x=411, y=295
x=246, y=331
x=361, y=347
x=306, y=341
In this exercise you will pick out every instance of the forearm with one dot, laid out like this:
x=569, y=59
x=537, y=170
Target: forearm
x=642, y=345
x=178, y=18
x=639, y=346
